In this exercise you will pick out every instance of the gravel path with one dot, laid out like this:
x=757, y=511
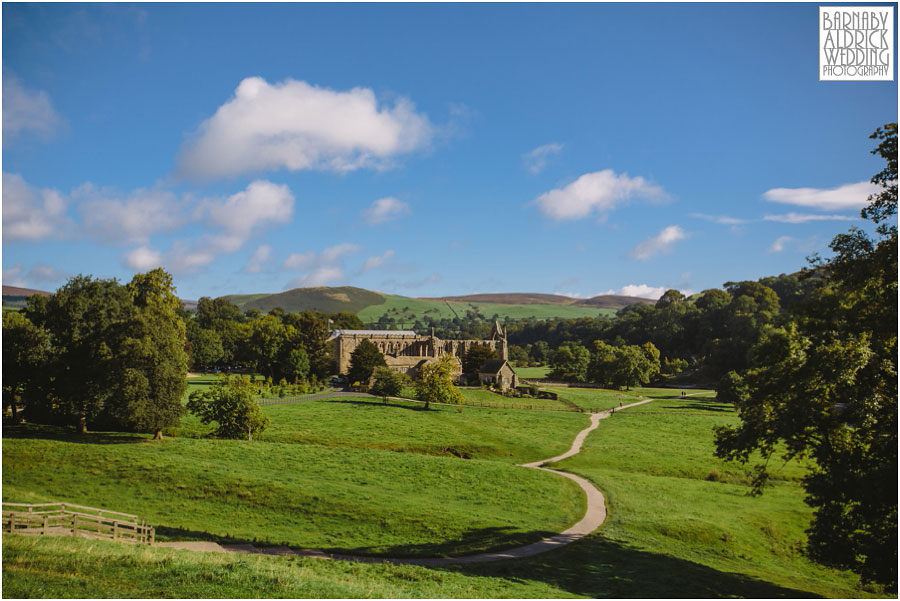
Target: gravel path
x=594, y=515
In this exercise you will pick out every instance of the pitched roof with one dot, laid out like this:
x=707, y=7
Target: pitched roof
x=335, y=333
x=491, y=367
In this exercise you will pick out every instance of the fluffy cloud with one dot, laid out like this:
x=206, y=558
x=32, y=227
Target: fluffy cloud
x=258, y=259
x=659, y=244
x=26, y=110
x=29, y=213
x=779, y=244
x=320, y=276
x=261, y=203
x=848, y=196
x=639, y=290
x=325, y=268
x=131, y=219
x=237, y=217
x=377, y=261
x=294, y=125
x=142, y=259
x=598, y=192
x=803, y=218
x=385, y=209
x=536, y=160
x=36, y=276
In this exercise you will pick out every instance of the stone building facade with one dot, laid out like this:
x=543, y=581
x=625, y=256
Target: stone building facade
x=405, y=351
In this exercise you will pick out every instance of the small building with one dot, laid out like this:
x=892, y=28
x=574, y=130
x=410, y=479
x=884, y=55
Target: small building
x=498, y=372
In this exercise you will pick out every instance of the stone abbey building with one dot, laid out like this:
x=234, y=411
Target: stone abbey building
x=405, y=351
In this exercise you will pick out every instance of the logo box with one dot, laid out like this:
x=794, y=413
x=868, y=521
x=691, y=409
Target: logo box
x=856, y=43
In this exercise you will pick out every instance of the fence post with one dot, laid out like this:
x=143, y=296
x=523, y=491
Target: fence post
x=75, y=525
x=115, y=529
x=12, y=523
x=44, y=527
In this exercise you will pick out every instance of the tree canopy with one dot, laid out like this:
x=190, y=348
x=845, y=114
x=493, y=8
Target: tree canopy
x=824, y=384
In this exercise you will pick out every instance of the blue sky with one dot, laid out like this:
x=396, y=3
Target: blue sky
x=427, y=150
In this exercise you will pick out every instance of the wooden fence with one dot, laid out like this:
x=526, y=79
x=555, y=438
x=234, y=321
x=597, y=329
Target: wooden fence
x=67, y=519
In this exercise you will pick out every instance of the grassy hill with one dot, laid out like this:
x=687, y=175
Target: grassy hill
x=15, y=297
x=370, y=306
x=356, y=475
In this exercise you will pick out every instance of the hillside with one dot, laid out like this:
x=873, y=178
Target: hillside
x=607, y=301
x=15, y=297
x=371, y=306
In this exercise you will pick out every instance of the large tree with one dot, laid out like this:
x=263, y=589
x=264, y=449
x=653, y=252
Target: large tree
x=232, y=405
x=363, y=361
x=435, y=383
x=824, y=386
x=26, y=349
x=474, y=358
x=156, y=363
x=90, y=324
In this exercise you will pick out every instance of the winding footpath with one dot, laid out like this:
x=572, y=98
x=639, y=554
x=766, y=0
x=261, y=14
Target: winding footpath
x=594, y=515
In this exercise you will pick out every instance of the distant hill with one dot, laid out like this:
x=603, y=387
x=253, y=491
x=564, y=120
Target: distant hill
x=322, y=298
x=13, y=296
x=371, y=306
x=606, y=301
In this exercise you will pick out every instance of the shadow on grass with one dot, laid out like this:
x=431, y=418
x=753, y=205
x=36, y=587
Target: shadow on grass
x=599, y=568
x=64, y=434
x=717, y=407
x=376, y=401
x=480, y=540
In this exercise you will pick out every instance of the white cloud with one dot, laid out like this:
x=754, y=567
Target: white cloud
x=142, y=259
x=848, y=196
x=598, y=192
x=385, y=209
x=639, y=290
x=659, y=244
x=298, y=260
x=132, y=219
x=258, y=259
x=780, y=243
x=410, y=284
x=721, y=219
x=238, y=218
x=320, y=276
x=262, y=202
x=294, y=125
x=37, y=276
x=536, y=160
x=15, y=276
x=377, y=261
x=326, y=268
x=337, y=252
x=26, y=110
x=29, y=213
x=803, y=218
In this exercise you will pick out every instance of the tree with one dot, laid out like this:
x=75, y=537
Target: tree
x=474, y=358
x=26, y=349
x=636, y=365
x=154, y=376
x=232, y=405
x=435, y=383
x=344, y=320
x=267, y=335
x=206, y=346
x=363, y=361
x=294, y=365
x=90, y=322
x=570, y=363
x=388, y=382
x=824, y=385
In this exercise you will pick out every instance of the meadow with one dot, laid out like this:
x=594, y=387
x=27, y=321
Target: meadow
x=356, y=475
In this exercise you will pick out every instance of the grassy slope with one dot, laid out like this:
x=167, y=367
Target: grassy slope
x=672, y=532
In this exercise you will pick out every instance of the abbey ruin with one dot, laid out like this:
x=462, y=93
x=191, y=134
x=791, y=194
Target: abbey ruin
x=405, y=351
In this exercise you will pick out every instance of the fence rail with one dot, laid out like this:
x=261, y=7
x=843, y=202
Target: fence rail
x=69, y=519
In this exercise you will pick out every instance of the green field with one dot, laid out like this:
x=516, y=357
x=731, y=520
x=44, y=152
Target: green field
x=408, y=310
x=533, y=372
x=356, y=475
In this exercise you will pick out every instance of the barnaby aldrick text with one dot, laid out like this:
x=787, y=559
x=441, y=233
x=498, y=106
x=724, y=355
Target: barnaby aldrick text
x=856, y=43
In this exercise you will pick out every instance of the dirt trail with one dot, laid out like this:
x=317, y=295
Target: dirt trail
x=594, y=515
